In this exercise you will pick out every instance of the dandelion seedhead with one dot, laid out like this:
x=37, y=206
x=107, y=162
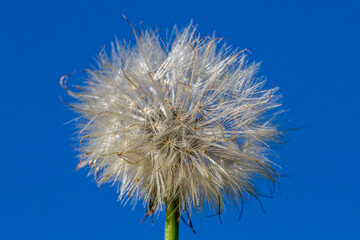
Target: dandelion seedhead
x=186, y=121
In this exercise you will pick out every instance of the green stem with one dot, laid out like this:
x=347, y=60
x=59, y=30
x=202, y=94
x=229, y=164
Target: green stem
x=172, y=220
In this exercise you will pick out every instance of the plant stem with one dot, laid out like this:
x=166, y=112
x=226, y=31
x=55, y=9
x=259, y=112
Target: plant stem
x=172, y=220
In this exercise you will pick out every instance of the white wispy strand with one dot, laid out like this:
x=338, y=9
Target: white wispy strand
x=189, y=121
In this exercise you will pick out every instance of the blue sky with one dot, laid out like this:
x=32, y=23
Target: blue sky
x=310, y=49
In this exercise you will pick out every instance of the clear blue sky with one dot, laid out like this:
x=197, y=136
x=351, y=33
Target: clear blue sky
x=310, y=49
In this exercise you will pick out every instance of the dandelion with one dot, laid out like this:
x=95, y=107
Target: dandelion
x=177, y=124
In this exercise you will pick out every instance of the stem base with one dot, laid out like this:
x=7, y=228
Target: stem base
x=172, y=221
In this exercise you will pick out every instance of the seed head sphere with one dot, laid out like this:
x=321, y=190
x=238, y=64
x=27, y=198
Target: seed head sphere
x=186, y=120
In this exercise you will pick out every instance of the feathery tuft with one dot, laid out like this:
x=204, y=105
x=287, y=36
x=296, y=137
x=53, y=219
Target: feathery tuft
x=189, y=122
